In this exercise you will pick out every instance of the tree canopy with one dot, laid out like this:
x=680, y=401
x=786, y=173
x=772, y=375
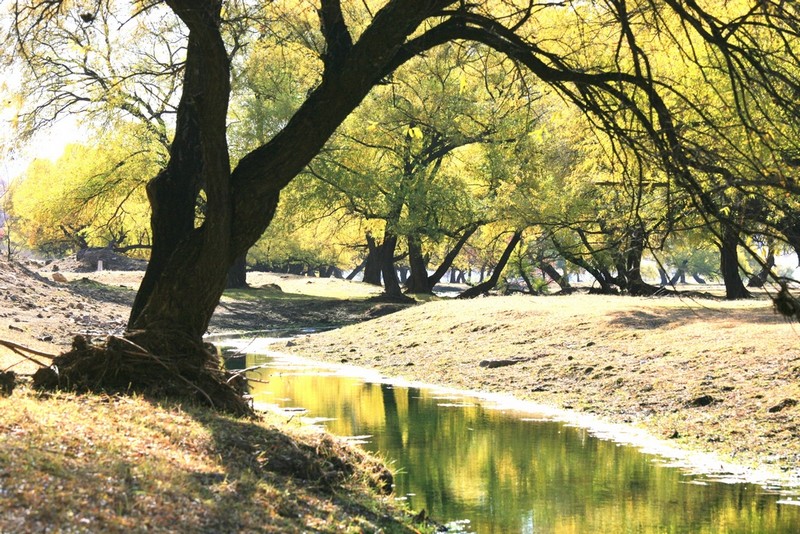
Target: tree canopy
x=701, y=94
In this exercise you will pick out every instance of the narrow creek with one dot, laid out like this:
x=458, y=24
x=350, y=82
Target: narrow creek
x=481, y=468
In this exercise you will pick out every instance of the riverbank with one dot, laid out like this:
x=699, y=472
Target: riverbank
x=94, y=463
x=704, y=375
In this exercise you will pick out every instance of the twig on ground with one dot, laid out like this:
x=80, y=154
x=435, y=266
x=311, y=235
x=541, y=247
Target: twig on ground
x=20, y=350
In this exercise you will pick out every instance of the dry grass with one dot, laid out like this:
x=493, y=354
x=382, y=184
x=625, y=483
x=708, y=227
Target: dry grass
x=122, y=464
x=717, y=376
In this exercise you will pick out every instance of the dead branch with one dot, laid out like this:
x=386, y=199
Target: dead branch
x=21, y=350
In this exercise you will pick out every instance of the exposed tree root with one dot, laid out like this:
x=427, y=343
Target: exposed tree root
x=23, y=351
x=155, y=365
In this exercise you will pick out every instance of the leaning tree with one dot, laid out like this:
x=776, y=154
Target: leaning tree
x=631, y=93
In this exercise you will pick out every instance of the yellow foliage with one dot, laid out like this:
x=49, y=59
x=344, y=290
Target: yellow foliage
x=93, y=193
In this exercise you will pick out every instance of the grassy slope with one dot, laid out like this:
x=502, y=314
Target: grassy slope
x=645, y=361
x=110, y=464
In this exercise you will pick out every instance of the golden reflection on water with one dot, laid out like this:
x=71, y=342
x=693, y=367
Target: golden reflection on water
x=460, y=460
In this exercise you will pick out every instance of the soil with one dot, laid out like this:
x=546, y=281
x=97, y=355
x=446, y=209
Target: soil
x=40, y=313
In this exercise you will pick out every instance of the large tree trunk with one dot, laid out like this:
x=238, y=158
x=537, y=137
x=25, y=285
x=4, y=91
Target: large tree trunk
x=187, y=272
x=483, y=287
x=237, y=274
x=729, y=264
x=391, y=285
x=418, y=282
x=372, y=263
x=163, y=350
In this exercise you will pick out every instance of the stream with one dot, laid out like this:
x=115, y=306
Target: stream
x=483, y=468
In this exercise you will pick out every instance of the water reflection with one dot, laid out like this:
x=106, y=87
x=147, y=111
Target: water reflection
x=504, y=472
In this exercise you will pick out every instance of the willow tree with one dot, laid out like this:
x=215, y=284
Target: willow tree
x=634, y=99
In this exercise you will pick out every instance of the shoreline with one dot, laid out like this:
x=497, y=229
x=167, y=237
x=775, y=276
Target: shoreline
x=704, y=464
x=719, y=380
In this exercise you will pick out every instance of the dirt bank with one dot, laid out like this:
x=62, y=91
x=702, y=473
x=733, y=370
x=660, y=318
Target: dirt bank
x=705, y=374
x=709, y=375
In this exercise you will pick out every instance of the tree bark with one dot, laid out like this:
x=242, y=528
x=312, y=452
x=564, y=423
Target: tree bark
x=501, y=264
x=188, y=267
x=419, y=281
x=237, y=274
x=729, y=264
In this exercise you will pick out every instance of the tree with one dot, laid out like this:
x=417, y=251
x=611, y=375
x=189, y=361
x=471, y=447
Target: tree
x=489, y=284
x=93, y=195
x=626, y=96
x=6, y=226
x=406, y=169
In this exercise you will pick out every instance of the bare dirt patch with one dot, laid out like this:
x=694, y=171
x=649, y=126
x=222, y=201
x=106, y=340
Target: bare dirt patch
x=41, y=313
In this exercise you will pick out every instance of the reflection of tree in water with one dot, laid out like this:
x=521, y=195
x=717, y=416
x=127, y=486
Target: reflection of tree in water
x=500, y=472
